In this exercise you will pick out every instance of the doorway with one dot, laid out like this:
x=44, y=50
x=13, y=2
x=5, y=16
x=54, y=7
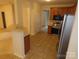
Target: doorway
x=44, y=20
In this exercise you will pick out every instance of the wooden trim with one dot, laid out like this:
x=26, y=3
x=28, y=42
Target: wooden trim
x=3, y=18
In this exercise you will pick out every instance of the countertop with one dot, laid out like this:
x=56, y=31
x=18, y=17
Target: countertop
x=53, y=24
x=50, y=22
x=14, y=28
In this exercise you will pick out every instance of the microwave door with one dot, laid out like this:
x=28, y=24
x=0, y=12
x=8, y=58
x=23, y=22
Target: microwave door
x=65, y=36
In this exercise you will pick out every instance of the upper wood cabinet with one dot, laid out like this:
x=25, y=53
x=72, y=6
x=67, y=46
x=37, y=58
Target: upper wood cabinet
x=54, y=11
x=62, y=11
x=72, y=10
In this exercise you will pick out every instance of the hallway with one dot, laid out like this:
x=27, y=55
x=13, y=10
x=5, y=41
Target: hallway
x=43, y=46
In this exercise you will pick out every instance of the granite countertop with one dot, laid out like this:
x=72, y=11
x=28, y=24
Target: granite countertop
x=50, y=22
x=54, y=24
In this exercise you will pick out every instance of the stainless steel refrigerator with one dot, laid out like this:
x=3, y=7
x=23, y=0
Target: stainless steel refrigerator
x=65, y=36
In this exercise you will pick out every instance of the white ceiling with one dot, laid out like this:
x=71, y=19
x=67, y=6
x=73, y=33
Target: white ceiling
x=43, y=1
x=56, y=1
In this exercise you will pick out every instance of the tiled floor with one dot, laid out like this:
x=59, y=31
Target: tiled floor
x=43, y=46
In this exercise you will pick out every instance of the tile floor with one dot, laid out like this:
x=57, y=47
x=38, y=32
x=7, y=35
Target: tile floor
x=43, y=46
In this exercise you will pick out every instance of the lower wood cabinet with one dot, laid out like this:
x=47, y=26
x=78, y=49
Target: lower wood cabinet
x=49, y=29
x=27, y=43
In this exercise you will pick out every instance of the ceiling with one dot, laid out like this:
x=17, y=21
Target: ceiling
x=43, y=1
x=56, y=1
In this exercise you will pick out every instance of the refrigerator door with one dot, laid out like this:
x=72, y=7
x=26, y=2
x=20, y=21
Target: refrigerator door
x=65, y=36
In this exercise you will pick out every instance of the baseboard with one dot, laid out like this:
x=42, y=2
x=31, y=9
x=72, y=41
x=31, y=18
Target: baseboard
x=43, y=28
x=20, y=56
x=32, y=34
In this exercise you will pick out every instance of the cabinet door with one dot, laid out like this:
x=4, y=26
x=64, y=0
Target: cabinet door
x=65, y=10
x=49, y=29
x=69, y=10
x=54, y=11
x=73, y=9
x=27, y=43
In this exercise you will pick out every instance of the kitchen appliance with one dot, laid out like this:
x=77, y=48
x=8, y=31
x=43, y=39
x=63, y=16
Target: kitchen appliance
x=58, y=17
x=56, y=27
x=65, y=36
x=57, y=22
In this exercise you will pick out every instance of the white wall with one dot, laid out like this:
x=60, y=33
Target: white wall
x=73, y=45
x=7, y=9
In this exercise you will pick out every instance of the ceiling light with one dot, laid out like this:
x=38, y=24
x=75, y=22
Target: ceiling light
x=48, y=0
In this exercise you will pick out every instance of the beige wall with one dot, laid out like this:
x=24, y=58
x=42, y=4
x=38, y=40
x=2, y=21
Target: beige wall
x=73, y=45
x=8, y=14
x=35, y=18
x=31, y=17
x=26, y=17
x=18, y=8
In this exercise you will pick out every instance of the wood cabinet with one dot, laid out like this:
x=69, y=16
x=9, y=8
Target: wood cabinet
x=72, y=10
x=27, y=43
x=49, y=29
x=62, y=11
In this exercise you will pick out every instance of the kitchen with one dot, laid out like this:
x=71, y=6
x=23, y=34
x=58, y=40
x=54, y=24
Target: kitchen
x=57, y=16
